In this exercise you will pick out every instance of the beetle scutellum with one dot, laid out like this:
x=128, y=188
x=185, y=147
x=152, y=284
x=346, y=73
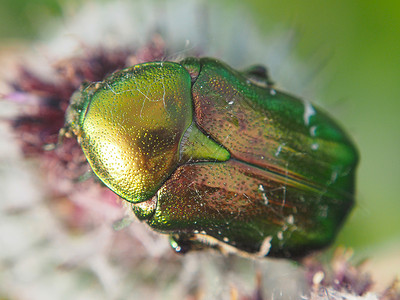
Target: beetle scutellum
x=216, y=157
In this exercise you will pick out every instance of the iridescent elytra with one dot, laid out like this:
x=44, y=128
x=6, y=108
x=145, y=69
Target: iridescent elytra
x=217, y=157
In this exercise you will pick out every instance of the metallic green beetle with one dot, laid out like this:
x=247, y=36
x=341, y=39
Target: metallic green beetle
x=216, y=157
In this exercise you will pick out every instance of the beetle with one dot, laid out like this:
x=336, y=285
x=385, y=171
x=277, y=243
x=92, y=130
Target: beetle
x=217, y=158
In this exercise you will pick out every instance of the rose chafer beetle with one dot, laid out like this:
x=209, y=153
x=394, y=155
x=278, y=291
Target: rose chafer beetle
x=216, y=157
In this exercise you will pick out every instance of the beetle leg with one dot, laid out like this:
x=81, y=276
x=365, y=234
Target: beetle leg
x=185, y=242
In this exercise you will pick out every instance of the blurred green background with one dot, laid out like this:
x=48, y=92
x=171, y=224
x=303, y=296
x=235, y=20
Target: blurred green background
x=359, y=42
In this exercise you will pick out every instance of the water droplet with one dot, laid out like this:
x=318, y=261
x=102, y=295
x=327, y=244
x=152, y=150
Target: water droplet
x=314, y=146
x=313, y=129
x=308, y=112
x=278, y=151
x=290, y=219
x=265, y=198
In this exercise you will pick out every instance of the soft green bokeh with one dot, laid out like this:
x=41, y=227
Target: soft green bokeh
x=358, y=47
x=24, y=19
